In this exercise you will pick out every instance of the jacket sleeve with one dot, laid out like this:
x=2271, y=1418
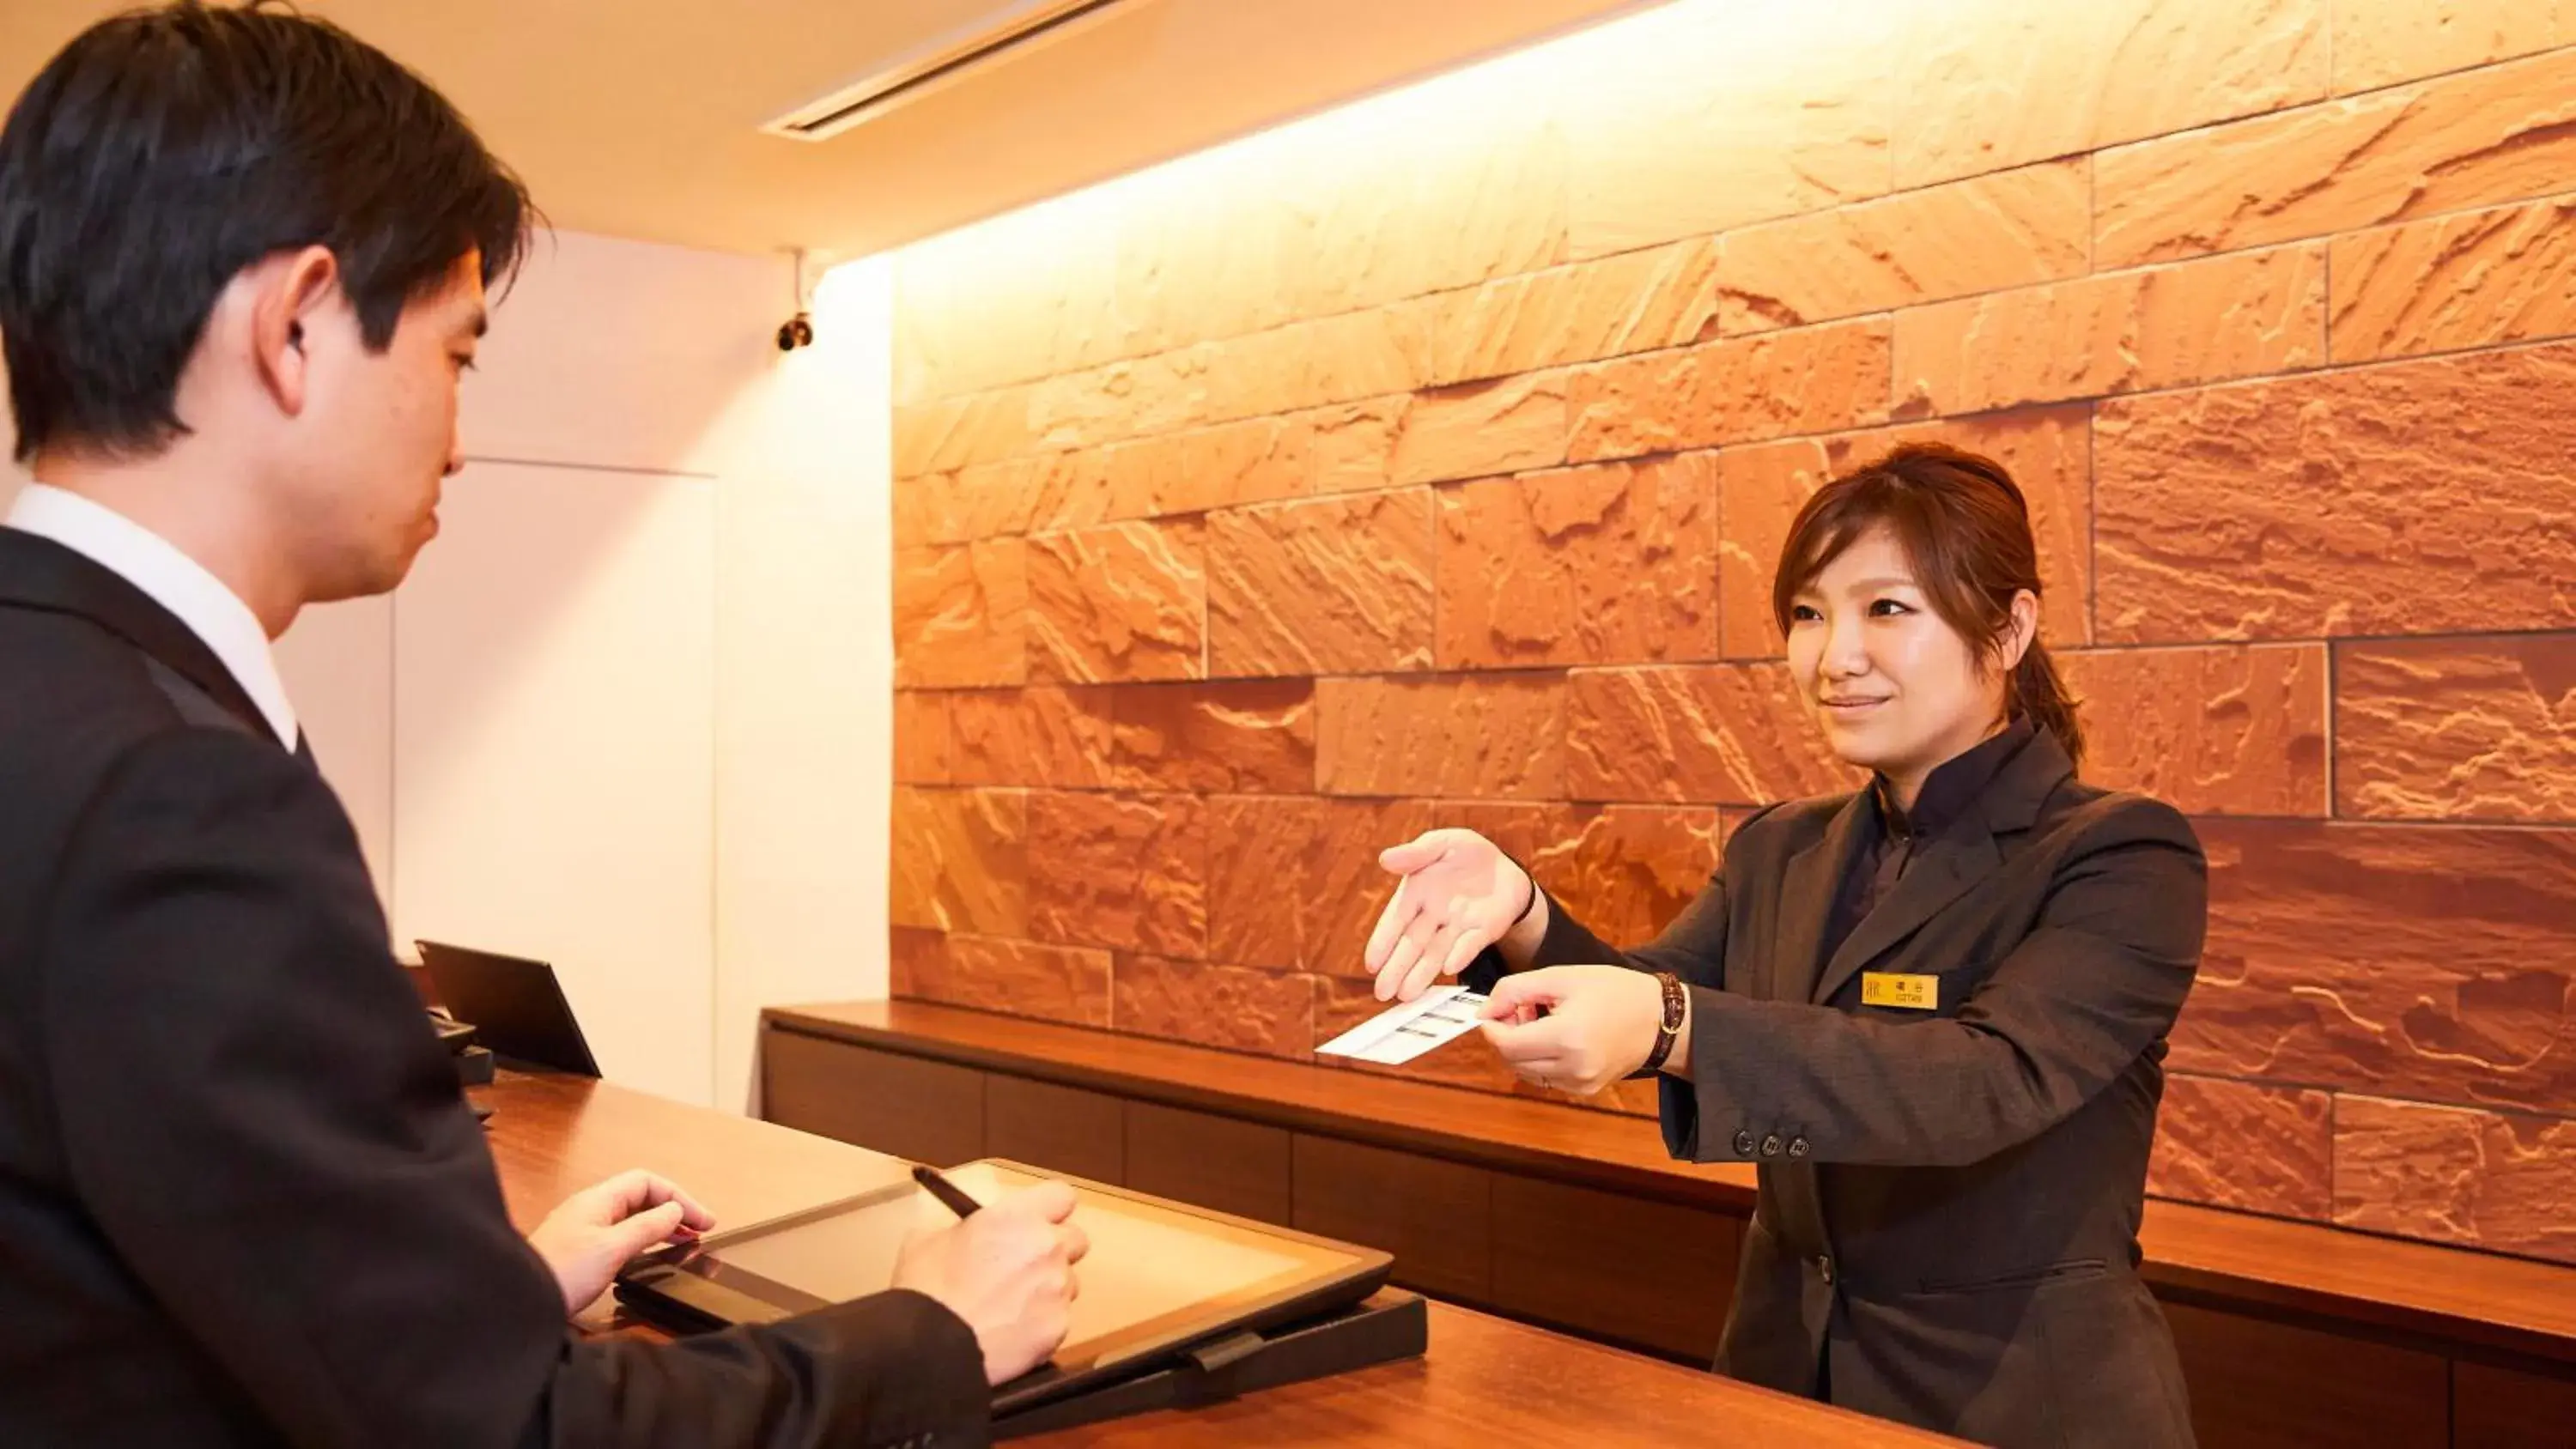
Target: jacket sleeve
x=2096, y=982
x=1693, y=947
x=259, y=1122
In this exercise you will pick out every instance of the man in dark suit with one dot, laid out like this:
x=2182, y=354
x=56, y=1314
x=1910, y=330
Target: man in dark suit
x=242, y=1201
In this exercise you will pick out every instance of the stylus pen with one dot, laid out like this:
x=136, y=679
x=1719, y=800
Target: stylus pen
x=947, y=1192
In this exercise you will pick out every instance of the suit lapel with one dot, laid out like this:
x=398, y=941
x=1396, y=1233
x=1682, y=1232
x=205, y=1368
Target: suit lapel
x=1945, y=870
x=1807, y=902
x=1954, y=863
x=38, y=573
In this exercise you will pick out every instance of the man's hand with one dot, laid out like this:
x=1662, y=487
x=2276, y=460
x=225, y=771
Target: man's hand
x=1008, y=1271
x=593, y=1234
x=1578, y=1028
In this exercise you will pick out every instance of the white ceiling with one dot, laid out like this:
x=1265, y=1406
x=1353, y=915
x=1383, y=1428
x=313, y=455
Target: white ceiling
x=640, y=118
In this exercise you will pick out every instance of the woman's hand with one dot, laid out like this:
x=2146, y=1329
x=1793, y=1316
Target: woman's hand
x=1459, y=894
x=587, y=1239
x=1578, y=1028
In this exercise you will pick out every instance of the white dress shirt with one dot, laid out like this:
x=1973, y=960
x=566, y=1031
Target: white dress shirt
x=171, y=579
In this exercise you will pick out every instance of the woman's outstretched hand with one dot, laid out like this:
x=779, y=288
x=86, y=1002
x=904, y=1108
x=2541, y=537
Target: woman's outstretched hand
x=1459, y=894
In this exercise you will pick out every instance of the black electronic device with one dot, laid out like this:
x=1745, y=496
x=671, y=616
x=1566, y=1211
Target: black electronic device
x=516, y=1005
x=1167, y=1289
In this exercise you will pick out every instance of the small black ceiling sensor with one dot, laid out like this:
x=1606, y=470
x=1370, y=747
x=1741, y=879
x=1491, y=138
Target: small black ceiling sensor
x=797, y=331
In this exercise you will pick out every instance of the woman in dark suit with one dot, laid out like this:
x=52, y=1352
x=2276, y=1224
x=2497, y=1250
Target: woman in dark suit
x=1933, y=1012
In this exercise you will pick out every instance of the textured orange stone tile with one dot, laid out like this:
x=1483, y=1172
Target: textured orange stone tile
x=1431, y=208
x=917, y=507
x=2457, y=729
x=1990, y=86
x=1253, y=735
x=2235, y=316
x=1694, y=734
x=1065, y=490
x=1632, y=868
x=2456, y=1175
x=1015, y=297
x=1251, y=461
x=2414, y=497
x=1123, y=871
x=2249, y=1146
x=1258, y=846
x=2427, y=961
x=1326, y=586
x=1608, y=564
x=989, y=500
x=2048, y=451
x=2507, y=274
x=1466, y=735
x=960, y=860
x=2214, y=731
x=920, y=738
x=1040, y=735
x=959, y=432
x=1635, y=302
x=1343, y=888
x=1806, y=380
x=1310, y=363
x=913, y=954
x=1658, y=149
x=961, y=615
x=2011, y=229
x=2383, y=42
x=1473, y=429
x=1127, y=601
x=1268, y=1012
x=1350, y=447
x=1052, y=983
x=2498, y=134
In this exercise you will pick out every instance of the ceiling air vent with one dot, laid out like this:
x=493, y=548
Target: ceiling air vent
x=1011, y=30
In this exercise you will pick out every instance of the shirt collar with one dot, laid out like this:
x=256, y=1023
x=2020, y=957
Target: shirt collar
x=1952, y=789
x=171, y=579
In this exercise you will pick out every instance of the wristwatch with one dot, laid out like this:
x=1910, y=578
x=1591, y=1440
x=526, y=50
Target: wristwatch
x=1668, y=1030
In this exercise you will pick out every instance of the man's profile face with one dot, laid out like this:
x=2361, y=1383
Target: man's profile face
x=387, y=438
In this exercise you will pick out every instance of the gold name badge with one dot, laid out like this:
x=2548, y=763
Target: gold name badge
x=1887, y=988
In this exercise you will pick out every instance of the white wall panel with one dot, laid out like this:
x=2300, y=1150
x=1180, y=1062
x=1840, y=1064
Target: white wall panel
x=554, y=685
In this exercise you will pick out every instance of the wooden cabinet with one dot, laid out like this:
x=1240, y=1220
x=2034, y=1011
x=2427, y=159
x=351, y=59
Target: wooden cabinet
x=1646, y=1273
x=2259, y=1384
x=911, y=1107
x=1214, y=1162
x=2503, y=1408
x=1062, y=1129
x=1436, y=1217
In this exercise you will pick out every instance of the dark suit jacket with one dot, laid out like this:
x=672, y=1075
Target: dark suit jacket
x=242, y=1200
x=1948, y=1211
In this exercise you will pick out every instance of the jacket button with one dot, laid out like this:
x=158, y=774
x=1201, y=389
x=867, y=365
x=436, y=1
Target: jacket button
x=1744, y=1144
x=1771, y=1145
x=1798, y=1147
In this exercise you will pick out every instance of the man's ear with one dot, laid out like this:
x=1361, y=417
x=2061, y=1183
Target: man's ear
x=289, y=294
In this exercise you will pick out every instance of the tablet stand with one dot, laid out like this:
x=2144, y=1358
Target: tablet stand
x=1387, y=1327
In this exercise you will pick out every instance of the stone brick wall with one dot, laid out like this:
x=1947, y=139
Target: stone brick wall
x=1426, y=461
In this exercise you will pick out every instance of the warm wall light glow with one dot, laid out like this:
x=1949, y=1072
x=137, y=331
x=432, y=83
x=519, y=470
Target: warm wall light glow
x=1672, y=121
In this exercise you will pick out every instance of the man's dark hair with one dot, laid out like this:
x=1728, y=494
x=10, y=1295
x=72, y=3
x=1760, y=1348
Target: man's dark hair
x=165, y=150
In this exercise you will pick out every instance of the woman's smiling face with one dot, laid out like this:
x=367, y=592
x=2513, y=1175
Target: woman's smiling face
x=1893, y=686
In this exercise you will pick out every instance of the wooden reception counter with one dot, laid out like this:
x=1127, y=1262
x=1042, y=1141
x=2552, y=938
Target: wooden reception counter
x=1485, y=1380
x=2291, y=1333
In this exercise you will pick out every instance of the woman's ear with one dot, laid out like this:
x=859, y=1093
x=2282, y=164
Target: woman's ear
x=2022, y=631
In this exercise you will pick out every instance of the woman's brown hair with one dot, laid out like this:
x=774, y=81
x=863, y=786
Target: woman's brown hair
x=1965, y=527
